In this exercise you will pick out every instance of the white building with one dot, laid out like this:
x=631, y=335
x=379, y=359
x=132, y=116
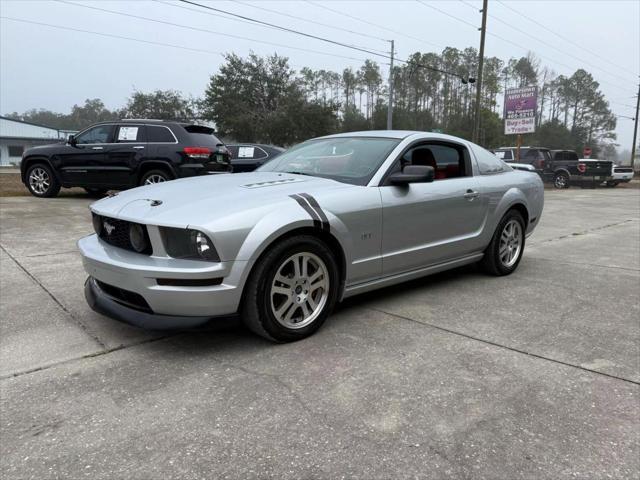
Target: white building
x=16, y=136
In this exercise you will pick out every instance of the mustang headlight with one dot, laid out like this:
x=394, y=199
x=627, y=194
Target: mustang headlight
x=190, y=244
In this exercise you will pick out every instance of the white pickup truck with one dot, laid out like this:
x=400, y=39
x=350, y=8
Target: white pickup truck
x=620, y=174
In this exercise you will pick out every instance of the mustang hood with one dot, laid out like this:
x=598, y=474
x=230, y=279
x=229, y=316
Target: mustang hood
x=188, y=201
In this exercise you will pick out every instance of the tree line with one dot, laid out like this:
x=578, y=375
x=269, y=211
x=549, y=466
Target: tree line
x=262, y=99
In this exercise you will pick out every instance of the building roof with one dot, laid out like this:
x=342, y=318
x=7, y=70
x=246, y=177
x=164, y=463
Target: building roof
x=12, y=128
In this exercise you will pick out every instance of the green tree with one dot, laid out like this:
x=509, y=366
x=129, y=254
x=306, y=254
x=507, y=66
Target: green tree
x=162, y=105
x=260, y=100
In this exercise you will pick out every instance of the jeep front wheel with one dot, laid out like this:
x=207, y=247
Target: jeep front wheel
x=41, y=182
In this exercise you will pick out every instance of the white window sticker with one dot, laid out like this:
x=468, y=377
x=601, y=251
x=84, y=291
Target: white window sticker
x=500, y=154
x=128, y=134
x=245, y=152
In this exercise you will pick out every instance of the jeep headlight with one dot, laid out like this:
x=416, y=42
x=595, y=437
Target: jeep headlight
x=188, y=244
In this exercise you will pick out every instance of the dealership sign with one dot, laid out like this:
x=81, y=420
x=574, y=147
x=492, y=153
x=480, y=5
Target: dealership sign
x=520, y=110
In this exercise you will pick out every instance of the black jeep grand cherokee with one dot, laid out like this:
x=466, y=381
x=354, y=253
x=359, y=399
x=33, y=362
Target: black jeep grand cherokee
x=123, y=154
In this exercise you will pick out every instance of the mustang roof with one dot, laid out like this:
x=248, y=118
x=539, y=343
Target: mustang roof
x=400, y=134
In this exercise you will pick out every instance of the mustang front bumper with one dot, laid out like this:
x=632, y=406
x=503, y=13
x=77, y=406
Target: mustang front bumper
x=132, y=287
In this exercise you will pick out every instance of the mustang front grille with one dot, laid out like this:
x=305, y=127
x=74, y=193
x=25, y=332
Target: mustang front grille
x=116, y=232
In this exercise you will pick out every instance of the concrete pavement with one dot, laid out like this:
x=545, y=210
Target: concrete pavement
x=459, y=375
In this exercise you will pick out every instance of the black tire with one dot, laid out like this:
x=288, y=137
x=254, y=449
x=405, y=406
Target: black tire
x=41, y=182
x=491, y=262
x=561, y=180
x=256, y=308
x=155, y=174
x=96, y=192
x=612, y=183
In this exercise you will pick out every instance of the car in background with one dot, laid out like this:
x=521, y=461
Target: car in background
x=561, y=167
x=620, y=174
x=330, y=218
x=123, y=154
x=246, y=157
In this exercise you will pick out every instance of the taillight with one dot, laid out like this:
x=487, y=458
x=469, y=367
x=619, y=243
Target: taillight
x=582, y=167
x=197, y=152
x=540, y=164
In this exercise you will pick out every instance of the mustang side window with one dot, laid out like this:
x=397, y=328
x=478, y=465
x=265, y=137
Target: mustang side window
x=448, y=161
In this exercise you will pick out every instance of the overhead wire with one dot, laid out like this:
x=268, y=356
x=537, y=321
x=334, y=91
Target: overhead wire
x=382, y=27
x=541, y=25
x=509, y=41
x=110, y=35
x=564, y=52
x=315, y=22
x=286, y=29
x=211, y=32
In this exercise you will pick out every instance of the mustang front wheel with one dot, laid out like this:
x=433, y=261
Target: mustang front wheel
x=292, y=290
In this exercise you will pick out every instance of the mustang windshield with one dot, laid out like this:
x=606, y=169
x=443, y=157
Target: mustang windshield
x=346, y=159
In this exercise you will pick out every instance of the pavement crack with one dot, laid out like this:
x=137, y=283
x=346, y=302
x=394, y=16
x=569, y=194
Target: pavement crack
x=569, y=262
x=106, y=351
x=71, y=315
x=582, y=232
x=506, y=347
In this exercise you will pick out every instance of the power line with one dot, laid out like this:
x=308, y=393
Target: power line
x=565, y=38
x=60, y=27
x=402, y=34
x=311, y=21
x=188, y=27
x=527, y=49
x=555, y=48
x=285, y=29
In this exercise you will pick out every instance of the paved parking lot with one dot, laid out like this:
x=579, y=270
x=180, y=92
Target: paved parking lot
x=458, y=375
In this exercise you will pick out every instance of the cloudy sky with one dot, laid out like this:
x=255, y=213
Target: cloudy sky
x=45, y=66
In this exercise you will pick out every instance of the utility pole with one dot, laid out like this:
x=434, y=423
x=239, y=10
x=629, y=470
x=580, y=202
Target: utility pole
x=483, y=31
x=390, y=106
x=635, y=128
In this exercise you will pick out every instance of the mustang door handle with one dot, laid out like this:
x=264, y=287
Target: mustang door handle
x=471, y=194
x=96, y=148
x=139, y=147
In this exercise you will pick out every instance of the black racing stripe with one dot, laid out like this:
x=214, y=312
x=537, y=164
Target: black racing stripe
x=316, y=206
x=317, y=223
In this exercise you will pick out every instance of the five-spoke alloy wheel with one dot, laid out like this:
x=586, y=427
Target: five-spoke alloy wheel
x=510, y=243
x=291, y=290
x=503, y=254
x=299, y=290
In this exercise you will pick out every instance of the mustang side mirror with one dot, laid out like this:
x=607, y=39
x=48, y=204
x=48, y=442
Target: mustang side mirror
x=413, y=174
x=72, y=140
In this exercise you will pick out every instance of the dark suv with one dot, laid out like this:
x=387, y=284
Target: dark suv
x=123, y=154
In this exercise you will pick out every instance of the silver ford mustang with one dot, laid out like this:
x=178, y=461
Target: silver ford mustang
x=330, y=218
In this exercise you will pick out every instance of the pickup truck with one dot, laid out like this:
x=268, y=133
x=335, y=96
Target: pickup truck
x=562, y=167
x=620, y=174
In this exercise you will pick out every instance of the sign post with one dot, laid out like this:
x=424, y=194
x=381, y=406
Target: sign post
x=520, y=106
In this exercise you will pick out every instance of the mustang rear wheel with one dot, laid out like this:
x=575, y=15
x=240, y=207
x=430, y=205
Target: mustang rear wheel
x=503, y=254
x=292, y=290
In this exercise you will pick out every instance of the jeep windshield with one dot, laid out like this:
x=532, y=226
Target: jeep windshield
x=351, y=160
